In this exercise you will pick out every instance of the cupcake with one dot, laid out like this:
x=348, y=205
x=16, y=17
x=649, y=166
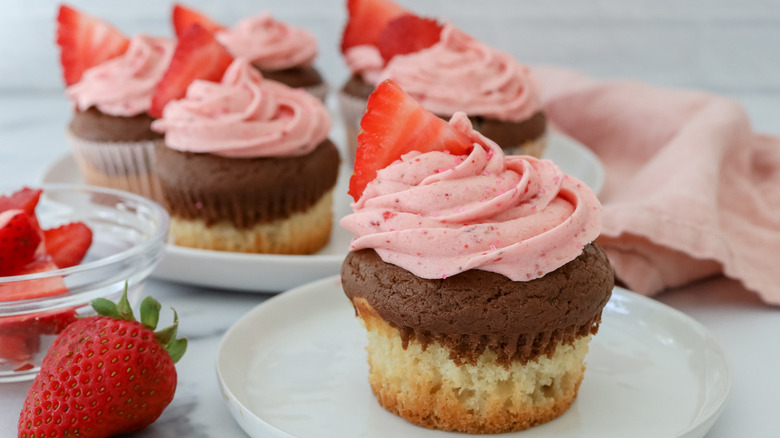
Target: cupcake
x=444, y=69
x=110, y=81
x=475, y=274
x=281, y=52
x=246, y=164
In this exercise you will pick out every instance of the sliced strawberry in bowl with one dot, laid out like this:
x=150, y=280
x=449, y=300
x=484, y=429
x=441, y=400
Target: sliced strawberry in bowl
x=198, y=55
x=68, y=244
x=395, y=124
x=19, y=240
x=25, y=199
x=85, y=41
x=184, y=18
x=408, y=34
x=366, y=19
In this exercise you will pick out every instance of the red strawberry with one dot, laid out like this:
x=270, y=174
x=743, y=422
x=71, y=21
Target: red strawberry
x=29, y=289
x=184, y=18
x=366, y=20
x=19, y=239
x=85, y=41
x=407, y=34
x=198, y=55
x=25, y=199
x=68, y=244
x=393, y=125
x=104, y=375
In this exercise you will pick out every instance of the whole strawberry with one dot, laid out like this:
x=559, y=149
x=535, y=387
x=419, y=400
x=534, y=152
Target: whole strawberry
x=104, y=375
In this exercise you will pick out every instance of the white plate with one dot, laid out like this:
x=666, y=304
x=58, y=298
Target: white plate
x=274, y=272
x=295, y=366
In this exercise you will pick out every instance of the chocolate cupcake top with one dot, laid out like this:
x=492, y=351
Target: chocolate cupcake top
x=124, y=86
x=438, y=214
x=244, y=116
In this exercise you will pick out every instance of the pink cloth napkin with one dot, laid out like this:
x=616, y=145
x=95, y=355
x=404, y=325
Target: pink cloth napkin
x=690, y=189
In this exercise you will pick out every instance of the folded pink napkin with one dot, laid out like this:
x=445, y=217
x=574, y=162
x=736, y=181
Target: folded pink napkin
x=690, y=189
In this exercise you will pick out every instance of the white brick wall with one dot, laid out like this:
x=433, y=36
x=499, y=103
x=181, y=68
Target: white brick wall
x=721, y=45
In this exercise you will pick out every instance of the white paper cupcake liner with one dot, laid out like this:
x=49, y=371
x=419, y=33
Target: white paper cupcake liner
x=127, y=166
x=319, y=91
x=352, y=110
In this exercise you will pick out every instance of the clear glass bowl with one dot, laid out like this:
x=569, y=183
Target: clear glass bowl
x=129, y=234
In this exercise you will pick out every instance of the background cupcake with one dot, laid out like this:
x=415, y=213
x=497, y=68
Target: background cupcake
x=111, y=80
x=444, y=69
x=281, y=52
x=476, y=275
x=246, y=165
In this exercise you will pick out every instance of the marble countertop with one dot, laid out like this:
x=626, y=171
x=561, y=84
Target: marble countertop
x=31, y=138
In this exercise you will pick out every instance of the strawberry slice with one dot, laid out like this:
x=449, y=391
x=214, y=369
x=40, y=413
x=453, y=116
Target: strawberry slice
x=407, y=34
x=395, y=124
x=366, y=20
x=19, y=239
x=19, y=350
x=43, y=323
x=85, y=41
x=184, y=18
x=198, y=55
x=30, y=289
x=25, y=199
x=68, y=244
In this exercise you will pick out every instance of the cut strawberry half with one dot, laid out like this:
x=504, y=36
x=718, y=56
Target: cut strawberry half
x=408, y=34
x=198, y=55
x=395, y=124
x=25, y=199
x=366, y=20
x=85, y=41
x=68, y=244
x=184, y=18
x=19, y=239
x=30, y=289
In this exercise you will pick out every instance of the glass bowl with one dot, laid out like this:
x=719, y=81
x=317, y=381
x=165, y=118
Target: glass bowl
x=129, y=234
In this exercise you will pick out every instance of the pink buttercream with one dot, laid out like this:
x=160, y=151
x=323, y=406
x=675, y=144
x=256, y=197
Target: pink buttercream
x=244, y=116
x=124, y=86
x=436, y=214
x=269, y=44
x=456, y=74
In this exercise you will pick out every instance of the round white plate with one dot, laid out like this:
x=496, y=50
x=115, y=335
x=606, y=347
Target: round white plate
x=276, y=273
x=295, y=366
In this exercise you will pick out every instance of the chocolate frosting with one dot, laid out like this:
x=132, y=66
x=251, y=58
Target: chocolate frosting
x=295, y=77
x=507, y=134
x=245, y=191
x=94, y=125
x=476, y=310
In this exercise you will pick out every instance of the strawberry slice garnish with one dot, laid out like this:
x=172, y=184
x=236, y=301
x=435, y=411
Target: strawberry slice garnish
x=31, y=289
x=85, y=41
x=68, y=244
x=198, y=55
x=184, y=18
x=25, y=199
x=395, y=124
x=407, y=34
x=366, y=20
x=19, y=239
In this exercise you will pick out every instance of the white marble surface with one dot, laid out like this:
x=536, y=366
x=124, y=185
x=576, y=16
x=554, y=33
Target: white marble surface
x=31, y=137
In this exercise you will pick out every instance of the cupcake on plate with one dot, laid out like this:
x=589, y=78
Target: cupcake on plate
x=281, y=52
x=110, y=81
x=475, y=274
x=246, y=165
x=444, y=69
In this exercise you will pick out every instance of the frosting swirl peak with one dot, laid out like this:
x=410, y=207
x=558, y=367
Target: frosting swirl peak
x=124, y=86
x=244, y=116
x=436, y=214
x=269, y=44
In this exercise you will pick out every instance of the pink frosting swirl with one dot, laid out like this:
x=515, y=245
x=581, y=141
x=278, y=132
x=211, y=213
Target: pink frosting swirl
x=244, y=116
x=461, y=74
x=124, y=86
x=269, y=44
x=365, y=60
x=436, y=214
